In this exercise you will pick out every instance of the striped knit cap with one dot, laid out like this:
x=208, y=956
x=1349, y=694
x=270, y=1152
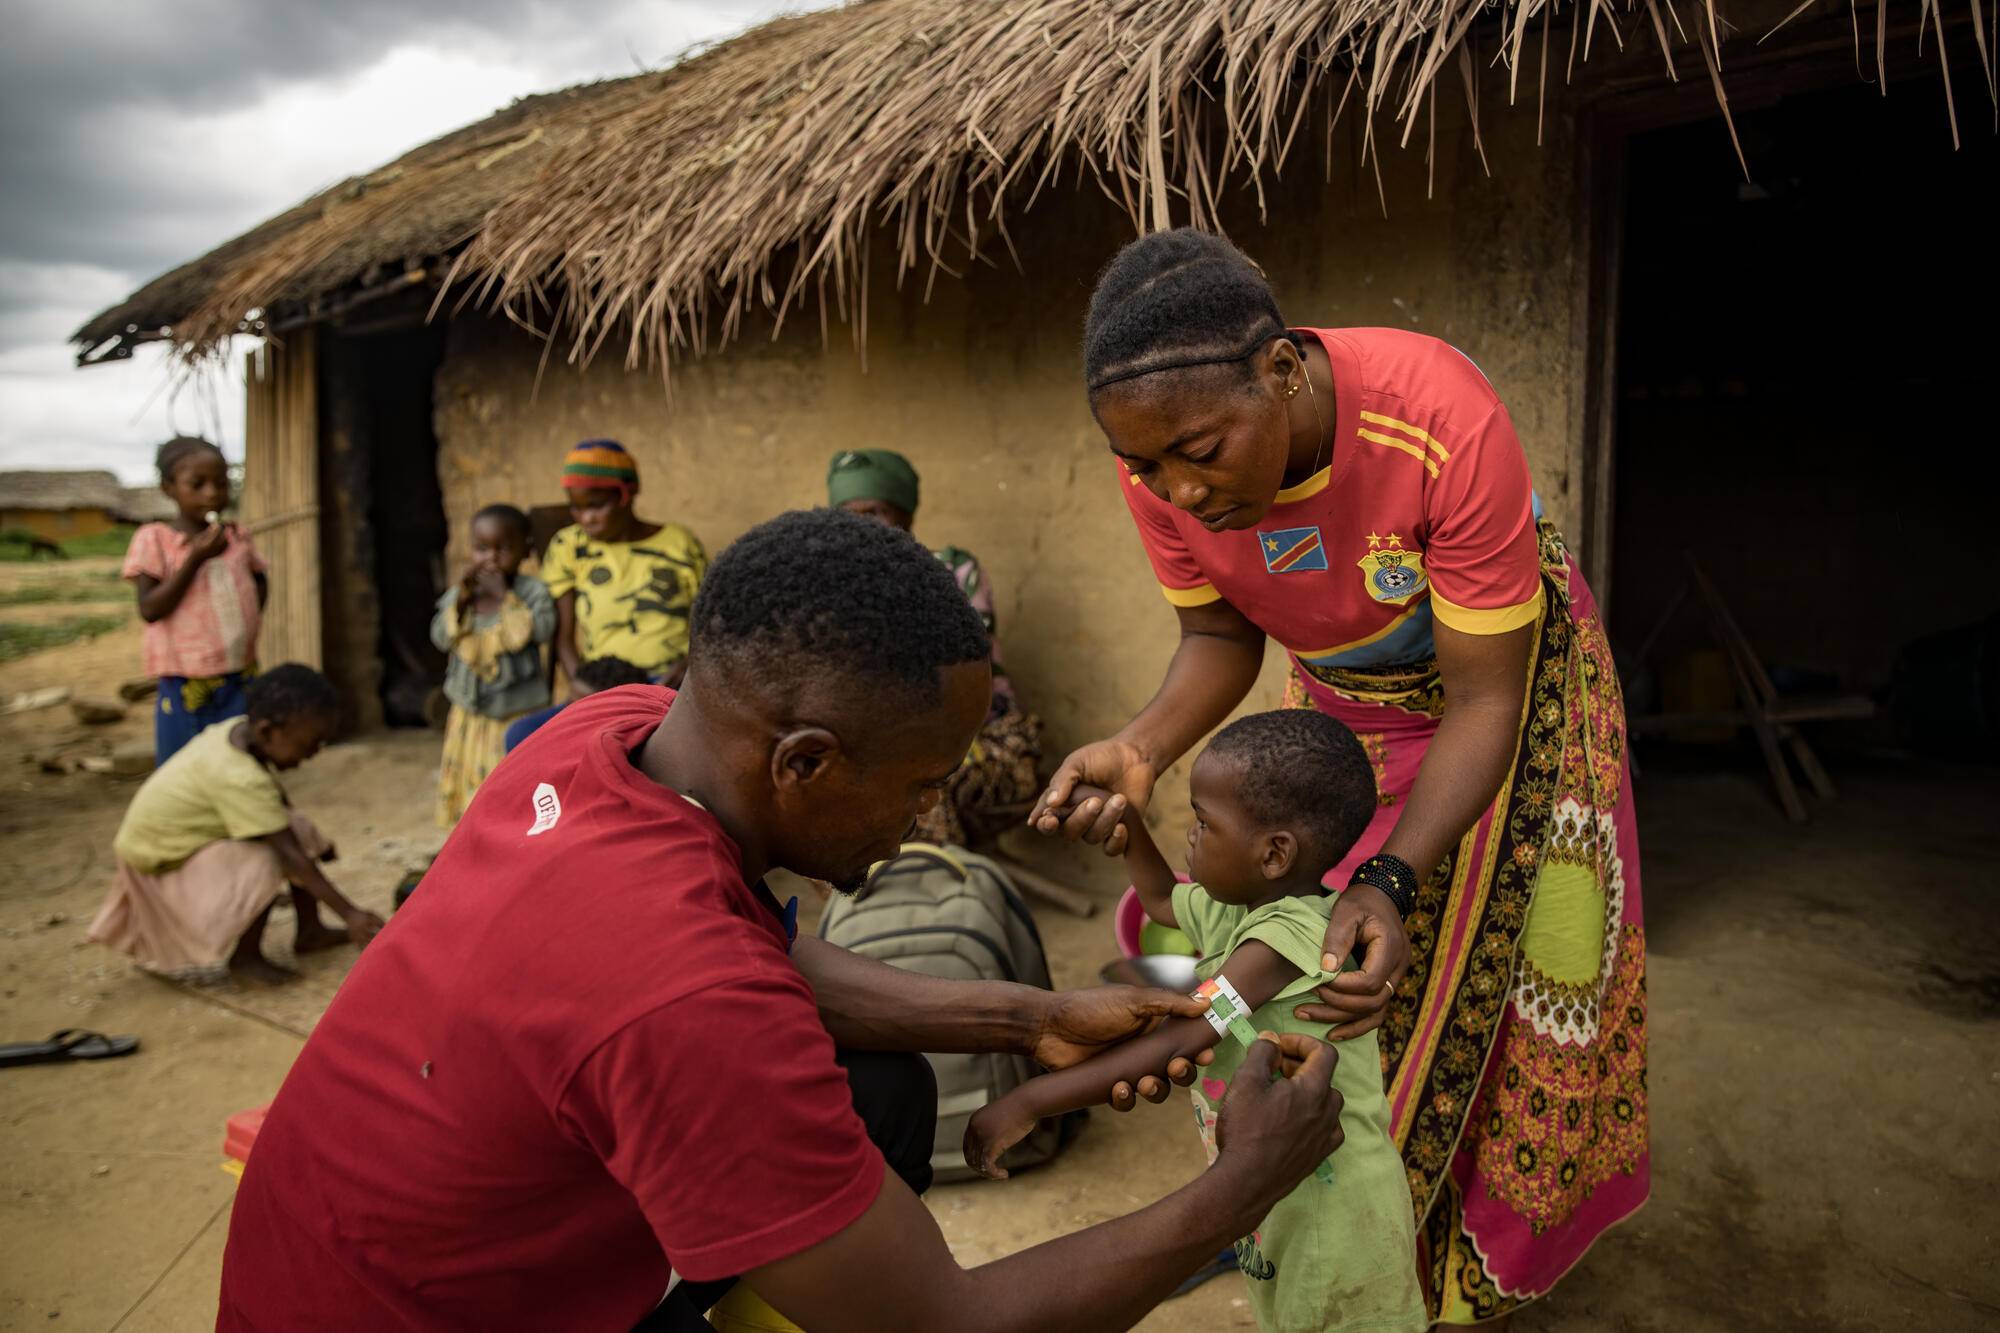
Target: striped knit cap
x=600, y=465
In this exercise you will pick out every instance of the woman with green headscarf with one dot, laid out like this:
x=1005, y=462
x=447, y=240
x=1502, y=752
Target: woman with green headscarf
x=1000, y=768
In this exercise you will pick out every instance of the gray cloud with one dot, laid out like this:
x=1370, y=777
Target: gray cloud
x=85, y=91
x=135, y=136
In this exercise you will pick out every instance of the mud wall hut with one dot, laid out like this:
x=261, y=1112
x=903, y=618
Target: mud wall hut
x=61, y=506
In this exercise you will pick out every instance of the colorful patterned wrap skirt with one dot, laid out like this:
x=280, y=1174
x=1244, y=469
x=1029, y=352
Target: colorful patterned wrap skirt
x=1515, y=1050
x=999, y=771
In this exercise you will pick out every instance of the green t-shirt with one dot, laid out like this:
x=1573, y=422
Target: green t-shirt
x=1339, y=1256
x=210, y=790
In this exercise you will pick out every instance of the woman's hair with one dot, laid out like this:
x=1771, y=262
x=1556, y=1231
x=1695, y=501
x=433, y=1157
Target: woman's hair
x=288, y=691
x=1175, y=299
x=177, y=451
x=512, y=517
x=1300, y=770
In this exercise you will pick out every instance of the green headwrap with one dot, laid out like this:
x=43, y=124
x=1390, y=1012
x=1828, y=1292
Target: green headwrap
x=871, y=474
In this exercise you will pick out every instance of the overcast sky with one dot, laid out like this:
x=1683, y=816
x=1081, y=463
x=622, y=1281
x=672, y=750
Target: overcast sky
x=136, y=135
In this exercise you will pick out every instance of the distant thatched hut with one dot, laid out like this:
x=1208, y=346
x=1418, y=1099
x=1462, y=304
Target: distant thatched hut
x=62, y=506
x=927, y=186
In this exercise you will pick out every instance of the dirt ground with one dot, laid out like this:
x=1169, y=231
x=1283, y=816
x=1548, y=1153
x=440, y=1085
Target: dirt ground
x=1825, y=1064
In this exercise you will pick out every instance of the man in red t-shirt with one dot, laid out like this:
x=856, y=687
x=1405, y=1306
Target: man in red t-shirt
x=589, y=1065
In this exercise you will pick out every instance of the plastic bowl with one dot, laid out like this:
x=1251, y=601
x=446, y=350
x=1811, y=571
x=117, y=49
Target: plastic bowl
x=1126, y=921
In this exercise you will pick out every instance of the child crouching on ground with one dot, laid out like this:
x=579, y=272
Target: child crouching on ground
x=1278, y=800
x=493, y=624
x=210, y=841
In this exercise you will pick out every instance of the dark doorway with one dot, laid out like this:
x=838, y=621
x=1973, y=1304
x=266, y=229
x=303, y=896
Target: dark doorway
x=1802, y=362
x=384, y=525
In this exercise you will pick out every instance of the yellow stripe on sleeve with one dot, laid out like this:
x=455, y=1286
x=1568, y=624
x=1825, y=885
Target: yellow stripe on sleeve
x=1200, y=595
x=1414, y=432
x=1404, y=445
x=1475, y=620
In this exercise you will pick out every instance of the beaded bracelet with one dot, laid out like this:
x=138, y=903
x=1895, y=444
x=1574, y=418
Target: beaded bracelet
x=1393, y=876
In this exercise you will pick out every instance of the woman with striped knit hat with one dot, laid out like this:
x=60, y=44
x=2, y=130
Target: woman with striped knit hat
x=623, y=586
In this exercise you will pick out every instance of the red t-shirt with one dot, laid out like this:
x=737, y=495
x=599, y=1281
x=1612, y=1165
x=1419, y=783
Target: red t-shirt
x=1424, y=511
x=580, y=1055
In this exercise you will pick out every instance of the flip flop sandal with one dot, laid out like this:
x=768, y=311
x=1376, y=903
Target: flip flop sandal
x=68, y=1044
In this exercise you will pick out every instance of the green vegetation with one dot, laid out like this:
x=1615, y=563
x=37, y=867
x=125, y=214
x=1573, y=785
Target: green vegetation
x=18, y=640
x=106, y=587
x=20, y=544
x=113, y=542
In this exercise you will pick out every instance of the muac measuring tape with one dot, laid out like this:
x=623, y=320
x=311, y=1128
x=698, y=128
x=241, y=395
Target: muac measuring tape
x=1228, y=1015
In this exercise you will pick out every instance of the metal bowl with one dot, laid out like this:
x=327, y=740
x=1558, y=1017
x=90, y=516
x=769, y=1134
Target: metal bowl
x=1172, y=970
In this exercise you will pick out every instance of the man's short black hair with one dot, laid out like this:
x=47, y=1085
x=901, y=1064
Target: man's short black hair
x=288, y=691
x=511, y=516
x=178, y=450
x=1300, y=770
x=819, y=591
x=1172, y=300
x=608, y=673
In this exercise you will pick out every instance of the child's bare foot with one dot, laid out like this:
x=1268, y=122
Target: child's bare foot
x=314, y=936
x=260, y=969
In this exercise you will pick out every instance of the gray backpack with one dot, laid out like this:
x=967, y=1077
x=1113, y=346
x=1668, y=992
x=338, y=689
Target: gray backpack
x=953, y=913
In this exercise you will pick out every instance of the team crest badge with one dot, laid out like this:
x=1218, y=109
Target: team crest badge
x=1292, y=550
x=1389, y=572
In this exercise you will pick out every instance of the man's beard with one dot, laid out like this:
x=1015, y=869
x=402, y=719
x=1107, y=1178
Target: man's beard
x=846, y=888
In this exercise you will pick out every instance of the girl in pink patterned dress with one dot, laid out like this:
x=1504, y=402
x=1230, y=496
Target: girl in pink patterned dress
x=201, y=589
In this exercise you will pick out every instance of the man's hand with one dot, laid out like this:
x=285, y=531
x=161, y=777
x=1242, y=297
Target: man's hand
x=993, y=1129
x=1281, y=1116
x=1075, y=1025
x=1359, y=1001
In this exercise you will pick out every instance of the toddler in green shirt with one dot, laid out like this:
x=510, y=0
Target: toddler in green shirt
x=1278, y=798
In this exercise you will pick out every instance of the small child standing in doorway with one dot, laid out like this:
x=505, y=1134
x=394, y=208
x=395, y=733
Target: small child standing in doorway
x=623, y=586
x=1278, y=800
x=492, y=624
x=201, y=588
x=210, y=841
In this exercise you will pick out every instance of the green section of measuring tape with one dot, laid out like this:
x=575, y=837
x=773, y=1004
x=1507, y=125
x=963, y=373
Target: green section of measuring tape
x=1226, y=1004
x=1223, y=1004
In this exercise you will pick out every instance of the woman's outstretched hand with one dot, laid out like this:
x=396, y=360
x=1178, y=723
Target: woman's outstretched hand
x=1119, y=768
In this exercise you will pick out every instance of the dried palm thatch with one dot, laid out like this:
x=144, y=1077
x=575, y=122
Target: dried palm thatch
x=61, y=491
x=656, y=212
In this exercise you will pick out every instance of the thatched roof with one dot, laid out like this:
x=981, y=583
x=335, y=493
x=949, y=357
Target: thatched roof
x=66, y=491
x=144, y=504
x=61, y=491
x=655, y=211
